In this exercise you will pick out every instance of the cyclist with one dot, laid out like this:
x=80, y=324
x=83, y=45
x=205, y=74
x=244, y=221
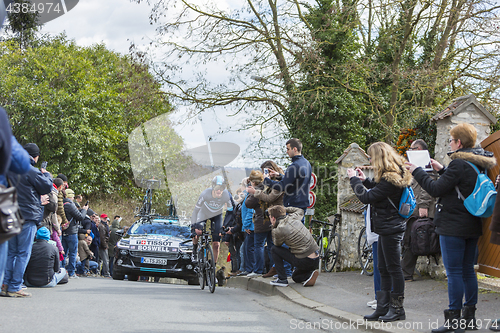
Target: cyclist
x=209, y=206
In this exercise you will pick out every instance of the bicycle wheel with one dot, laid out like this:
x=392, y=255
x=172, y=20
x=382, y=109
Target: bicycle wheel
x=332, y=252
x=210, y=268
x=319, y=241
x=201, y=268
x=365, y=254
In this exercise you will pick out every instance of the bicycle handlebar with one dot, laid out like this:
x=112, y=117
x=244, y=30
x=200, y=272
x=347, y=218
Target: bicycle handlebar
x=323, y=222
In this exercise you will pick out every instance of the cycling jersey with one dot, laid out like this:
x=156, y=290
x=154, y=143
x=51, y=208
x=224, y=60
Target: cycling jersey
x=208, y=206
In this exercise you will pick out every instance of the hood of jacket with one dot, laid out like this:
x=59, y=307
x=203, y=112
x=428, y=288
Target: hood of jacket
x=396, y=179
x=477, y=156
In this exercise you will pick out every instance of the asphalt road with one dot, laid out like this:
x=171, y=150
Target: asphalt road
x=105, y=305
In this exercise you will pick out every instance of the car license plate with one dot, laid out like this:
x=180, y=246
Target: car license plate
x=154, y=261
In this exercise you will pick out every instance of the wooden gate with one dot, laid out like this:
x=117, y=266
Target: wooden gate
x=489, y=254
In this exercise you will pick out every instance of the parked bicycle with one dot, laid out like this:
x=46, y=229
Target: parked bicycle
x=328, y=241
x=365, y=253
x=206, y=262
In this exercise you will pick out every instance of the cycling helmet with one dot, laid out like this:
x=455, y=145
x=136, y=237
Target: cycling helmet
x=218, y=181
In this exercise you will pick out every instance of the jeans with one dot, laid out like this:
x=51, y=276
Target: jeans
x=103, y=256
x=18, y=256
x=4, y=248
x=303, y=267
x=260, y=242
x=81, y=266
x=458, y=259
x=249, y=252
x=55, y=279
x=111, y=264
x=70, y=245
x=376, y=272
x=242, y=256
x=389, y=263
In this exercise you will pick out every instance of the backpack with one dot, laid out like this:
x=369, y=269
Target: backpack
x=11, y=220
x=407, y=203
x=423, y=238
x=482, y=200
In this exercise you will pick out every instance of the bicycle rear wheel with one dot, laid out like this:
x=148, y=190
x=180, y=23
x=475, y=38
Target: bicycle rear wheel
x=210, y=268
x=332, y=252
x=201, y=268
x=365, y=254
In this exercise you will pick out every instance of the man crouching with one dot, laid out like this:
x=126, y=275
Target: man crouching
x=302, y=251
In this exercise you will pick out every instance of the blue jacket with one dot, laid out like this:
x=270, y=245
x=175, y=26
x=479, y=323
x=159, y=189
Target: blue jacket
x=246, y=216
x=295, y=183
x=19, y=161
x=5, y=142
x=30, y=187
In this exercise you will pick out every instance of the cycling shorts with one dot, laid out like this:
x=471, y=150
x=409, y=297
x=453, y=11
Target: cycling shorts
x=216, y=227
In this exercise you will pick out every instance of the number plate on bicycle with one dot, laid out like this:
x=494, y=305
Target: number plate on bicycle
x=154, y=261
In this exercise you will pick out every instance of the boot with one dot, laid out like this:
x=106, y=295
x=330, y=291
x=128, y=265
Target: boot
x=469, y=314
x=396, y=311
x=451, y=320
x=271, y=273
x=382, y=305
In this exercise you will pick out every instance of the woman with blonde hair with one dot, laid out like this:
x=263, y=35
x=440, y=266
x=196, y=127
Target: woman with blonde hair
x=391, y=177
x=458, y=229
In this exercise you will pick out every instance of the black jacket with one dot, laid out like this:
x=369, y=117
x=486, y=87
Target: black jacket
x=73, y=215
x=44, y=262
x=385, y=219
x=451, y=217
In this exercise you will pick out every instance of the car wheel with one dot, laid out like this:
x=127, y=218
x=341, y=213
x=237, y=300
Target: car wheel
x=132, y=277
x=117, y=276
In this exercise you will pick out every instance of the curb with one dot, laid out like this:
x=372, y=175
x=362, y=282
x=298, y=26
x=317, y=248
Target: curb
x=262, y=286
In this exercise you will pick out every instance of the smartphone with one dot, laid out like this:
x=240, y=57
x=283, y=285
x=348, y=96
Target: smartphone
x=44, y=165
x=266, y=171
x=87, y=203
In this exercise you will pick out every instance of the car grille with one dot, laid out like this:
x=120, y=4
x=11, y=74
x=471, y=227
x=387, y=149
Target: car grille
x=163, y=255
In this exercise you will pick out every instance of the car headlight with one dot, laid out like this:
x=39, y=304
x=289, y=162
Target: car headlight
x=123, y=244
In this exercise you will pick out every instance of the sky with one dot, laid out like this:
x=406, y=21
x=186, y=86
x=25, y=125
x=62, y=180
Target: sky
x=117, y=24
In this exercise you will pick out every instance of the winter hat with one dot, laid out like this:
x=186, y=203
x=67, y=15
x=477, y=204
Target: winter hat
x=43, y=233
x=70, y=193
x=63, y=177
x=90, y=212
x=32, y=149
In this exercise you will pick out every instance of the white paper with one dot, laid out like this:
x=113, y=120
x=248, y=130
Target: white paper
x=420, y=158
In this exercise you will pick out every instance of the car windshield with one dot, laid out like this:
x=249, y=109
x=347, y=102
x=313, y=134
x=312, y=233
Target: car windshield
x=160, y=229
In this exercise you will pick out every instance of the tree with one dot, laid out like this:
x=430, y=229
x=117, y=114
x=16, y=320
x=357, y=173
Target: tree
x=23, y=24
x=79, y=104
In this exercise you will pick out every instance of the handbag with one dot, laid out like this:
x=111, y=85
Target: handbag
x=11, y=220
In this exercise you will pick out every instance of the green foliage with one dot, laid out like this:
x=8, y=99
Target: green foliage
x=23, y=24
x=79, y=104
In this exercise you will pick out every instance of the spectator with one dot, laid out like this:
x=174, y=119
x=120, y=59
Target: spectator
x=248, y=243
x=425, y=208
x=70, y=235
x=295, y=182
x=64, y=179
x=458, y=229
x=302, y=251
x=103, y=245
x=96, y=236
x=268, y=197
x=260, y=199
x=391, y=177
x=43, y=268
x=86, y=263
x=78, y=201
x=114, y=237
x=15, y=159
x=30, y=189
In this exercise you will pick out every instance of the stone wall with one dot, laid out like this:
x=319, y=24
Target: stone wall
x=352, y=223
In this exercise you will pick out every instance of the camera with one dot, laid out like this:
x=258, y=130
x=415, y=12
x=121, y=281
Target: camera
x=44, y=165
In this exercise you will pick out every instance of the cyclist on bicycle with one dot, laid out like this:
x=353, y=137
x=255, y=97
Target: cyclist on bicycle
x=209, y=206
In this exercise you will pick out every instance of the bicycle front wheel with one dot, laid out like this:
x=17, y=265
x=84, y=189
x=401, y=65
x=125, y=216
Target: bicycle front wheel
x=210, y=268
x=365, y=254
x=201, y=268
x=332, y=252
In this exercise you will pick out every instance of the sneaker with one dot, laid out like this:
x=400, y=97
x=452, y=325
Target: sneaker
x=20, y=293
x=280, y=283
x=74, y=276
x=253, y=274
x=271, y=272
x=372, y=303
x=23, y=286
x=244, y=273
x=3, y=292
x=374, y=306
x=234, y=273
x=312, y=279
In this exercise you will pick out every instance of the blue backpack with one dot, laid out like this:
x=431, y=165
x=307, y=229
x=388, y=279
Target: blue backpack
x=482, y=200
x=407, y=203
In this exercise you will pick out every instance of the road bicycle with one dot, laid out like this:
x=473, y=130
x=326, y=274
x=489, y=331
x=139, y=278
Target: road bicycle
x=328, y=241
x=206, y=263
x=365, y=253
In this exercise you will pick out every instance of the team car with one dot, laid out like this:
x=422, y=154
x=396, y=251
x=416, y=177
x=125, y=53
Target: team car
x=159, y=247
